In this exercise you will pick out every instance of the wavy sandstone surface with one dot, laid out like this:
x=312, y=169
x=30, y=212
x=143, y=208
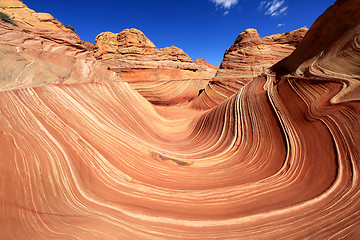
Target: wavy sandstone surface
x=164, y=76
x=39, y=50
x=85, y=156
x=248, y=57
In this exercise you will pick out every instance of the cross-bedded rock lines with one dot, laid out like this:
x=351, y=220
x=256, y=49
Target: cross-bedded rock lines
x=86, y=155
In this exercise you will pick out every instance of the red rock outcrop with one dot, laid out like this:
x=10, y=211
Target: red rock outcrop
x=251, y=55
x=331, y=49
x=163, y=76
x=201, y=61
x=248, y=57
x=131, y=50
x=39, y=50
x=96, y=160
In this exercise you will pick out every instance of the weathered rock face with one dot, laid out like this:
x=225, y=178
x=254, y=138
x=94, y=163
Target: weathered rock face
x=131, y=49
x=152, y=71
x=201, y=61
x=38, y=50
x=30, y=19
x=331, y=49
x=127, y=42
x=96, y=160
x=251, y=55
x=248, y=57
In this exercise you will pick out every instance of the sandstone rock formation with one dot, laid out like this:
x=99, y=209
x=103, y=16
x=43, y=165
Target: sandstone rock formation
x=251, y=55
x=163, y=76
x=248, y=57
x=330, y=50
x=39, y=50
x=131, y=50
x=201, y=61
x=96, y=160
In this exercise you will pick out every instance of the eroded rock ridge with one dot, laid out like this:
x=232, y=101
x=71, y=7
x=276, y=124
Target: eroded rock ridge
x=88, y=152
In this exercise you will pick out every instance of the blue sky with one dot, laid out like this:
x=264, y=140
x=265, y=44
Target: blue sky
x=202, y=28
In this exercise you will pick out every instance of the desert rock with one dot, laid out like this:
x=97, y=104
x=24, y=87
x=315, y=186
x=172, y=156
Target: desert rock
x=163, y=76
x=201, y=61
x=83, y=155
x=131, y=49
x=39, y=50
x=330, y=50
x=248, y=57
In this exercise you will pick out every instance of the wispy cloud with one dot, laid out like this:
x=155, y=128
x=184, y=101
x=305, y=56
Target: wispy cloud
x=273, y=8
x=281, y=24
x=261, y=6
x=225, y=4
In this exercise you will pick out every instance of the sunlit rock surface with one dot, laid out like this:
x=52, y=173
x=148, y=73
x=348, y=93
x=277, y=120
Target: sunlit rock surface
x=39, y=50
x=164, y=76
x=201, y=61
x=88, y=159
x=248, y=57
x=331, y=50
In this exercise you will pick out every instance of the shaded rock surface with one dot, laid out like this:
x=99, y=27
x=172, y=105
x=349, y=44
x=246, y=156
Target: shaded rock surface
x=95, y=160
x=39, y=50
x=131, y=50
x=201, y=61
x=248, y=57
x=331, y=49
x=163, y=76
x=251, y=55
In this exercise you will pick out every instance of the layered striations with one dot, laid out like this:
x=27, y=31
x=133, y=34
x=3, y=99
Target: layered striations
x=35, y=49
x=96, y=160
x=201, y=61
x=248, y=57
x=331, y=49
x=163, y=76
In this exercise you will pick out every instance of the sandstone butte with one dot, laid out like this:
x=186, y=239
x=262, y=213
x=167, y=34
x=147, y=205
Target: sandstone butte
x=86, y=154
x=201, y=61
x=169, y=71
x=248, y=57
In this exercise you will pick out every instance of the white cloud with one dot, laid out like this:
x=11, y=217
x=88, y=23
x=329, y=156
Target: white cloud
x=261, y=6
x=226, y=12
x=281, y=11
x=227, y=4
x=281, y=24
x=273, y=7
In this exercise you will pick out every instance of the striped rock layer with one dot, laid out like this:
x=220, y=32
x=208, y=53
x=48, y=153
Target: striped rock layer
x=164, y=76
x=85, y=156
x=248, y=57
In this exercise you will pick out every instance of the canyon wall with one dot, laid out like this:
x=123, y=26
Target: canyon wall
x=38, y=50
x=163, y=76
x=83, y=155
x=248, y=57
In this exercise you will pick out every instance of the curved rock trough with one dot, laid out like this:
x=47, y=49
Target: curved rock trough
x=86, y=154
